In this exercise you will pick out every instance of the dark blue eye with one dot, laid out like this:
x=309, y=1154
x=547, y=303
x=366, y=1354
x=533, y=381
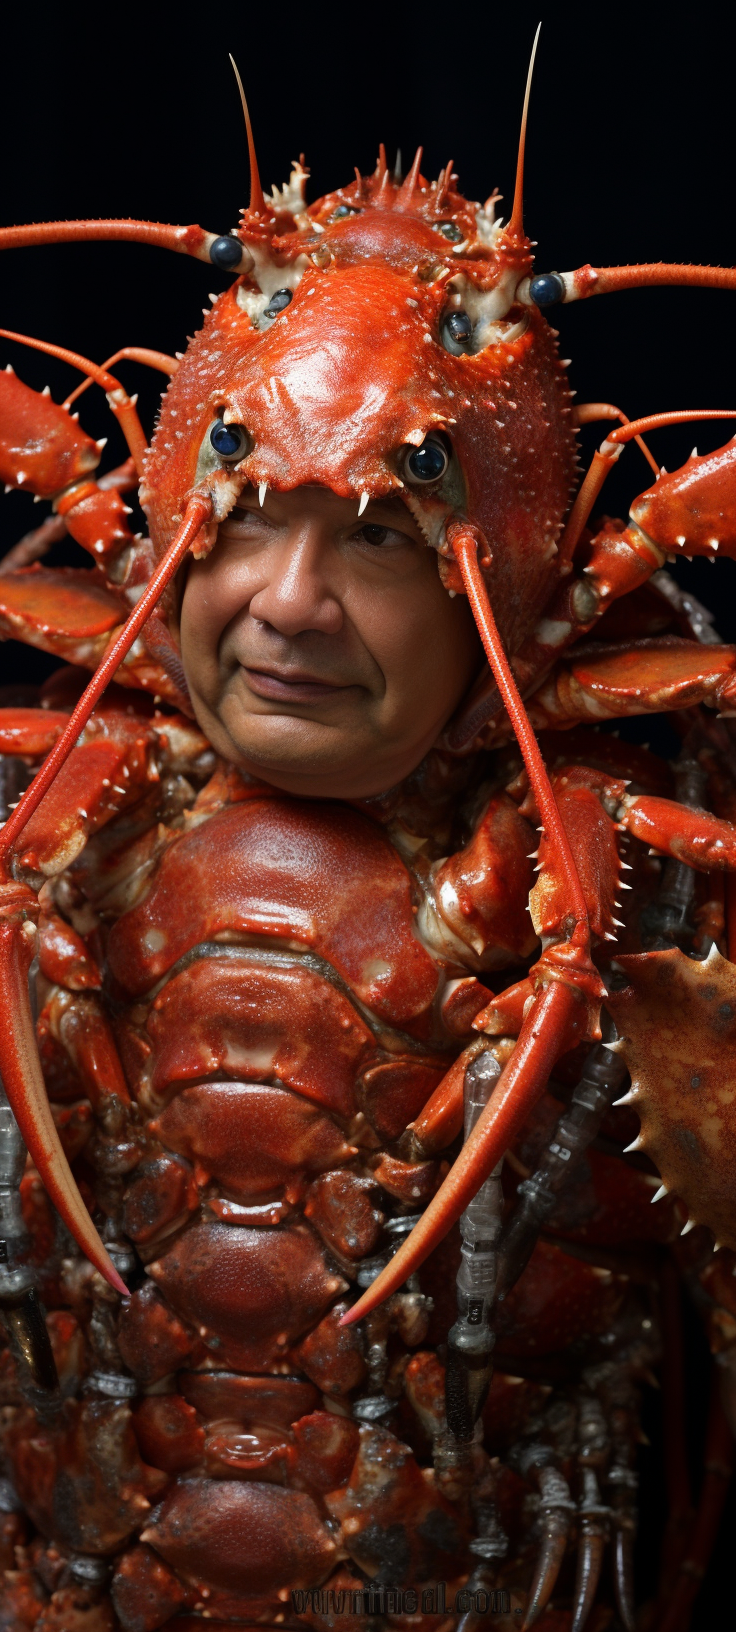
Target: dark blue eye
x=341, y=211
x=278, y=302
x=231, y=442
x=450, y=231
x=456, y=331
x=547, y=289
x=226, y=253
x=426, y=463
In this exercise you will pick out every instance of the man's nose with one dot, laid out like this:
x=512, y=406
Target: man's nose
x=296, y=593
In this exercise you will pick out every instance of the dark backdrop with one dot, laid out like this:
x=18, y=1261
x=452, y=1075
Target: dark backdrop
x=126, y=110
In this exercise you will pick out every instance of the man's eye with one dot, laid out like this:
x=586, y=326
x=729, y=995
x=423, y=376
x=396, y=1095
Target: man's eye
x=244, y=523
x=373, y=534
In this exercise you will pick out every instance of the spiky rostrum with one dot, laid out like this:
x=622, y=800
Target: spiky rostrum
x=372, y=318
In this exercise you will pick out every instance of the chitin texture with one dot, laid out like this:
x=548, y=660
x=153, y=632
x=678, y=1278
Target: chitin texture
x=352, y=1282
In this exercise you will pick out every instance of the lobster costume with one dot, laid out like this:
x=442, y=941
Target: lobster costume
x=284, y=1046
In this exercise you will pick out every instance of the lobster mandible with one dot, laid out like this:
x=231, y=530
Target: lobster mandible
x=267, y=1020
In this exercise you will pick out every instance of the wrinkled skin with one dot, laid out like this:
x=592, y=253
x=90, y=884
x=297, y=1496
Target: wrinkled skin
x=319, y=654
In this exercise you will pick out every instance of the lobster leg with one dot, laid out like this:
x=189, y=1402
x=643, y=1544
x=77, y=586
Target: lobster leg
x=684, y=513
x=18, y=1297
x=567, y=987
x=19, y=1063
x=646, y=677
x=602, y=1078
x=470, y=1341
x=591, y=1547
x=556, y=1510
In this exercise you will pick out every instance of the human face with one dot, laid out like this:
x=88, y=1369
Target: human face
x=321, y=651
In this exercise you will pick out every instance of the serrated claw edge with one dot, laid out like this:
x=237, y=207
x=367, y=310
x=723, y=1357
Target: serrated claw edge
x=677, y=1033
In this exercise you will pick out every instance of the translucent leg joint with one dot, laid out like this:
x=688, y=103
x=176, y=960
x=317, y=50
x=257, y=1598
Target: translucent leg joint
x=470, y=1341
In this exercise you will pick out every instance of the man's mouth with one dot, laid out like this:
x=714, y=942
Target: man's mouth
x=290, y=687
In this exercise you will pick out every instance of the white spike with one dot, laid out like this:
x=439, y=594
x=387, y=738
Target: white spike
x=627, y=868
x=660, y=1193
x=46, y=391
x=609, y=937
x=20, y=477
x=623, y=886
x=262, y=491
x=364, y=497
x=615, y=1046
x=635, y=1145
x=9, y=368
x=688, y=1227
x=694, y=454
x=102, y=443
x=627, y=1098
x=8, y=487
x=532, y=855
x=618, y=921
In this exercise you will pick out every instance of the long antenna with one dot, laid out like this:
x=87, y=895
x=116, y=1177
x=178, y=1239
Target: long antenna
x=515, y=228
x=257, y=204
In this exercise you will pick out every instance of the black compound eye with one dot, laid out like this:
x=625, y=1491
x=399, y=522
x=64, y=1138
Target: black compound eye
x=426, y=463
x=231, y=442
x=456, y=331
x=278, y=302
x=226, y=253
x=450, y=231
x=547, y=289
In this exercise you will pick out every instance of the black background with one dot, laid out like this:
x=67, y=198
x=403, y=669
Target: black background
x=125, y=110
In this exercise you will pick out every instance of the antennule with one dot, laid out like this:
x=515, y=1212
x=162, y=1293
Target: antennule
x=257, y=205
x=515, y=228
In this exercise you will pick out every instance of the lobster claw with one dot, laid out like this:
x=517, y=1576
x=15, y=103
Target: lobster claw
x=20, y=1069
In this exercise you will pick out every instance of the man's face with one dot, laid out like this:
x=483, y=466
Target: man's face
x=321, y=650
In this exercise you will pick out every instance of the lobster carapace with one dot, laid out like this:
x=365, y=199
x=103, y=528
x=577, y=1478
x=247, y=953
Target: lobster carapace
x=265, y=1022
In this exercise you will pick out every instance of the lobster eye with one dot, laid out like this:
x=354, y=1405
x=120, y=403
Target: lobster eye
x=227, y=253
x=456, y=333
x=426, y=463
x=340, y=212
x=450, y=231
x=278, y=302
x=546, y=289
x=231, y=442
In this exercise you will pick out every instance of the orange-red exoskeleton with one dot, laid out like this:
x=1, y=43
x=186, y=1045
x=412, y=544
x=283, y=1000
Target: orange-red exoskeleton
x=257, y=1391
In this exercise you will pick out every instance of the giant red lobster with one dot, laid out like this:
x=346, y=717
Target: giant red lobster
x=263, y=1388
